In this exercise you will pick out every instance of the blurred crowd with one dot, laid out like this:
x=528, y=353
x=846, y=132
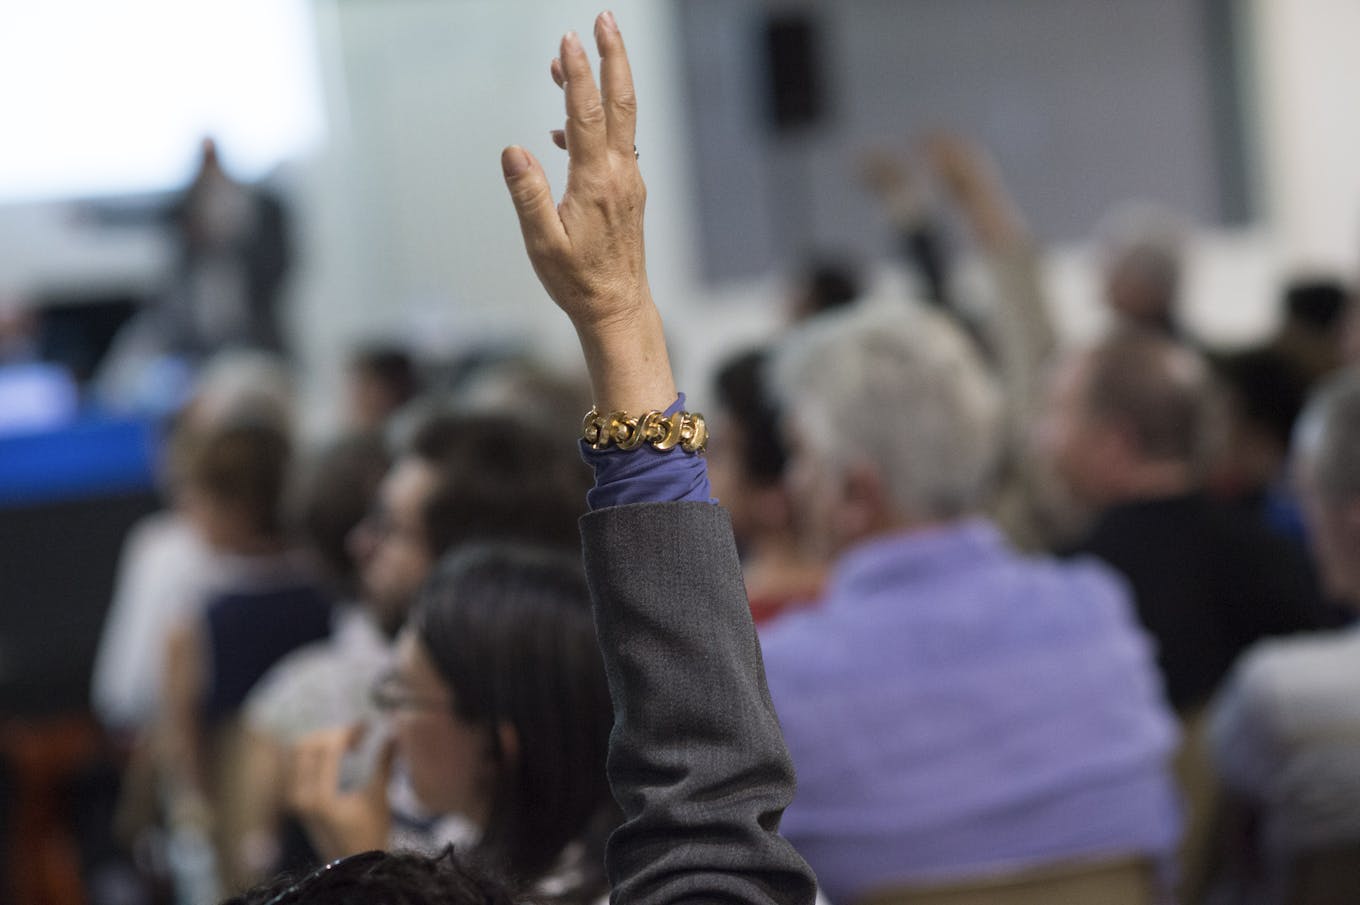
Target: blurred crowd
x=1023, y=609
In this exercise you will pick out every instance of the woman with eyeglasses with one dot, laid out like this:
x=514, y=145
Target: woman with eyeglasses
x=498, y=714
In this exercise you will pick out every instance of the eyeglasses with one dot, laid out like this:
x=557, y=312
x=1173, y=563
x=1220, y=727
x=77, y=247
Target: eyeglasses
x=389, y=694
x=326, y=875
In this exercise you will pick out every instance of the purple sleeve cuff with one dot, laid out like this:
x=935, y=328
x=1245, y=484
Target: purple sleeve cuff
x=646, y=475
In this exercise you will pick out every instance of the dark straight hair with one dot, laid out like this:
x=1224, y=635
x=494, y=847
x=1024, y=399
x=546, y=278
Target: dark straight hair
x=509, y=627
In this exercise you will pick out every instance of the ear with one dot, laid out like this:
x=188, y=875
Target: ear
x=864, y=507
x=508, y=738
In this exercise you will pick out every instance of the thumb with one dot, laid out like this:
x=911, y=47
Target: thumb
x=529, y=190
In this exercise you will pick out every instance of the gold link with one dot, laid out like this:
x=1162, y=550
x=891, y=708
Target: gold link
x=687, y=430
x=672, y=438
x=698, y=439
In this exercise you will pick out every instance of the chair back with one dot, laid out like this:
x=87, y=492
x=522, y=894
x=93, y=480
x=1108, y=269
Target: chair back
x=1123, y=882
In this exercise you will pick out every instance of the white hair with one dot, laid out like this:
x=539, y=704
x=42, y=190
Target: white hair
x=902, y=389
x=1327, y=438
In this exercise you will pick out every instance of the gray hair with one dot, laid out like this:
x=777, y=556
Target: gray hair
x=1147, y=236
x=1327, y=438
x=902, y=389
x=245, y=385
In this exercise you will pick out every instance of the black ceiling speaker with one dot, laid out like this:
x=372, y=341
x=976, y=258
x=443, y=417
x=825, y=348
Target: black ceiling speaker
x=797, y=90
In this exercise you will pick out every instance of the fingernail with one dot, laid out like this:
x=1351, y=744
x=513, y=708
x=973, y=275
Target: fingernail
x=572, y=39
x=514, y=161
x=609, y=22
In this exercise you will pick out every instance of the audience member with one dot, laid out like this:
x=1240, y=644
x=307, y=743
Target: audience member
x=380, y=380
x=1132, y=428
x=1314, y=309
x=1349, y=338
x=746, y=464
x=500, y=714
x=1286, y=729
x=825, y=285
x=234, y=498
x=462, y=477
x=540, y=395
x=953, y=708
x=1017, y=332
x=1264, y=394
x=1142, y=251
x=339, y=486
x=166, y=569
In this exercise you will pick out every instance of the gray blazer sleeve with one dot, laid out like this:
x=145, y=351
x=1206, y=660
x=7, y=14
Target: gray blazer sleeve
x=696, y=759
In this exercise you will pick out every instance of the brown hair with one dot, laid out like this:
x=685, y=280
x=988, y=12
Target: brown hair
x=500, y=479
x=244, y=466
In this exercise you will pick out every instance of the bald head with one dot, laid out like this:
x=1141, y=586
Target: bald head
x=1159, y=391
x=1134, y=417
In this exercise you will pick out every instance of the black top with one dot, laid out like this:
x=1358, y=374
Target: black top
x=1209, y=580
x=248, y=631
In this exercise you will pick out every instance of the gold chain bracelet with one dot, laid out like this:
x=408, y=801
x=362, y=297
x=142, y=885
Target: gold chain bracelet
x=687, y=430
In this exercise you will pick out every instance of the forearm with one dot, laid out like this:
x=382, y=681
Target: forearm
x=629, y=367
x=696, y=758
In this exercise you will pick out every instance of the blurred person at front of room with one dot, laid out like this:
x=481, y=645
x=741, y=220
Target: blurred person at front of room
x=499, y=714
x=1285, y=730
x=462, y=477
x=234, y=254
x=746, y=462
x=896, y=429
x=1132, y=426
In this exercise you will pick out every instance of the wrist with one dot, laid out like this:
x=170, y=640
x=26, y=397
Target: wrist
x=629, y=366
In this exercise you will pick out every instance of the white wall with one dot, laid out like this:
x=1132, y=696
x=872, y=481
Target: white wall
x=1308, y=73
x=409, y=233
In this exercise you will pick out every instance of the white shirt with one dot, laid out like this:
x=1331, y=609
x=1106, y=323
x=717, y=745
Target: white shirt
x=1285, y=732
x=164, y=575
x=322, y=685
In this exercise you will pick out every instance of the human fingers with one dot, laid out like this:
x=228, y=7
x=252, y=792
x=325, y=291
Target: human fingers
x=300, y=788
x=586, y=130
x=559, y=76
x=616, y=85
x=315, y=771
x=559, y=138
x=382, y=776
x=532, y=196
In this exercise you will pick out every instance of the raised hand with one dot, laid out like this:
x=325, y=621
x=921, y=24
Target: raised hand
x=588, y=250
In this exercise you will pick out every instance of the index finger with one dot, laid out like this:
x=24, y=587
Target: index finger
x=616, y=85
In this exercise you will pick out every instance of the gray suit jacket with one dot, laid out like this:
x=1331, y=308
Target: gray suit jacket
x=696, y=758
